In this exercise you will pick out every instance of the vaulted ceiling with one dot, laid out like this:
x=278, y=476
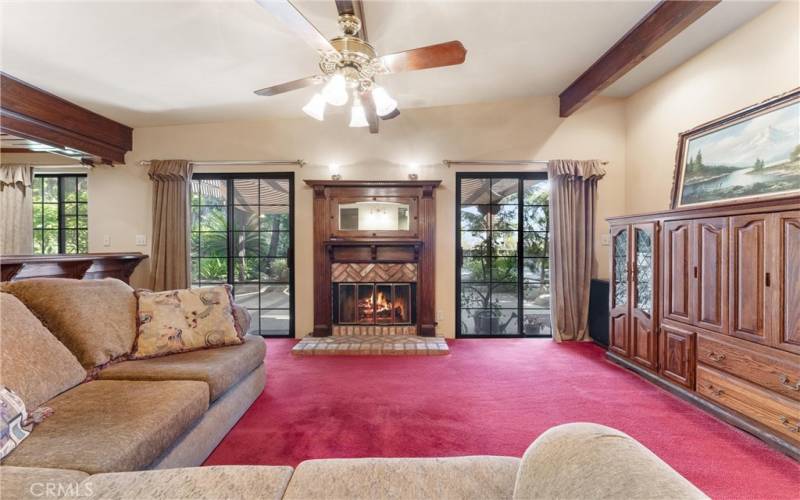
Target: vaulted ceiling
x=147, y=63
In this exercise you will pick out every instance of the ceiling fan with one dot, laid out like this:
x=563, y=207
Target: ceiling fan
x=349, y=64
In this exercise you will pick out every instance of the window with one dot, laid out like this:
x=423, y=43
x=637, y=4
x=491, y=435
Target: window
x=60, y=215
x=503, y=282
x=242, y=235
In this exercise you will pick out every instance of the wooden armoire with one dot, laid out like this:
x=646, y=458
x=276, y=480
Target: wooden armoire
x=705, y=302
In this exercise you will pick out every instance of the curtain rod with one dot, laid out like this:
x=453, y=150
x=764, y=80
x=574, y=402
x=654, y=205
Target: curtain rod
x=447, y=163
x=300, y=163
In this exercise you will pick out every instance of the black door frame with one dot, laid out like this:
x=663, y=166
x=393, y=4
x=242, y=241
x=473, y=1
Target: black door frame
x=229, y=177
x=522, y=176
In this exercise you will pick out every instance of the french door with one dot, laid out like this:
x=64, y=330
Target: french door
x=503, y=268
x=242, y=234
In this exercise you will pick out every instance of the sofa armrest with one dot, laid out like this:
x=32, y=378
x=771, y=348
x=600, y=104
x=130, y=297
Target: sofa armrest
x=242, y=318
x=584, y=460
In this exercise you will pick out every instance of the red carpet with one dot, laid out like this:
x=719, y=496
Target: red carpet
x=488, y=397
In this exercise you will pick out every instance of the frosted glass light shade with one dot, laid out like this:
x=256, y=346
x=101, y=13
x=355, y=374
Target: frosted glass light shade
x=315, y=107
x=384, y=104
x=335, y=91
x=357, y=116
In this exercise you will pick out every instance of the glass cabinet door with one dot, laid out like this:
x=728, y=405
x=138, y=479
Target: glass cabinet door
x=620, y=268
x=643, y=245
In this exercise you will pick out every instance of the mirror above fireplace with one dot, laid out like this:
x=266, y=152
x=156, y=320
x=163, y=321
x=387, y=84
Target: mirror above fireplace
x=374, y=216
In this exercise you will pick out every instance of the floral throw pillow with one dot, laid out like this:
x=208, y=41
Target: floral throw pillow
x=185, y=320
x=13, y=417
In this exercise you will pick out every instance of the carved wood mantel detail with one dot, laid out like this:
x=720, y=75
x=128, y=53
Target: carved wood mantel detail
x=390, y=256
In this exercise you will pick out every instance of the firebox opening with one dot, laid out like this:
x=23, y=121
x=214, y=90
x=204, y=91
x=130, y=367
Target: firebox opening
x=374, y=303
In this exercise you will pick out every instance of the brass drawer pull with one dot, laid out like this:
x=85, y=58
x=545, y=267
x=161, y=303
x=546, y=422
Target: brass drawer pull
x=786, y=382
x=716, y=357
x=792, y=428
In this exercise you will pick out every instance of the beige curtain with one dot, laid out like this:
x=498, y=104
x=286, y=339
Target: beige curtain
x=573, y=202
x=169, y=259
x=16, y=209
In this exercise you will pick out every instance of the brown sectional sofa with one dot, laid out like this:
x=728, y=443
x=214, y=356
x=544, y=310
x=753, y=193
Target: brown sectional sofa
x=572, y=461
x=108, y=435
x=155, y=413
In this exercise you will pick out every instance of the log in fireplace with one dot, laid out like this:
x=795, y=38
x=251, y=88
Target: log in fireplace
x=374, y=257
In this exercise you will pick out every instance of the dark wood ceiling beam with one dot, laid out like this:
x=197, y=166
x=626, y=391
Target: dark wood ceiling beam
x=665, y=21
x=31, y=113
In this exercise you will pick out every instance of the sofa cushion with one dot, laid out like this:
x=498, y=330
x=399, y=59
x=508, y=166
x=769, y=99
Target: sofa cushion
x=112, y=425
x=95, y=319
x=24, y=483
x=220, y=368
x=481, y=478
x=185, y=320
x=584, y=460
x=33, y=363
x=229, y=482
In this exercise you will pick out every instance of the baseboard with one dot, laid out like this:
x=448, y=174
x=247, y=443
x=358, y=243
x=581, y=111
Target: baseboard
x=726, y=415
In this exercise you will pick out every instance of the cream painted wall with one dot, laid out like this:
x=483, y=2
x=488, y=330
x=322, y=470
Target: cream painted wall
x=120, y=197
x=757, y=61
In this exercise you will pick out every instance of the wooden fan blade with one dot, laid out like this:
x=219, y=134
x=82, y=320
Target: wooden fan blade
x=295, y=21
x=368, y=104
x=392, y=115
x=432, y=56
x=289, y=86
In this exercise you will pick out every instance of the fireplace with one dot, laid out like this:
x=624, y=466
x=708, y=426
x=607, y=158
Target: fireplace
x=374, y=257
x=374, y=303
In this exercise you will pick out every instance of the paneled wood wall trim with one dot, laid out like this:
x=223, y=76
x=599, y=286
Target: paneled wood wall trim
x=76, y=266
x=665, y=21
x=34, y=114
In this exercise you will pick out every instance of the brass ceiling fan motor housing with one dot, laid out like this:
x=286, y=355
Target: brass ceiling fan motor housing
x=354, y=58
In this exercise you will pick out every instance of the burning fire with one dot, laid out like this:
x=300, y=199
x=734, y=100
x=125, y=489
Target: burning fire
x=381, y=308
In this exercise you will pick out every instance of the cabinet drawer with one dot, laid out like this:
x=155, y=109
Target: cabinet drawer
x=780, y=414
x=777, y=371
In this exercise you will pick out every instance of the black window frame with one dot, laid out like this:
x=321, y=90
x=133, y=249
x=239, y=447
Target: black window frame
x=229, y=178
x=62, y=215
x=522, y=177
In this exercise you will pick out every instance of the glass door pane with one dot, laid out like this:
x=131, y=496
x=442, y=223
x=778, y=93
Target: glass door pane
x=241, y=235
x=503, y=235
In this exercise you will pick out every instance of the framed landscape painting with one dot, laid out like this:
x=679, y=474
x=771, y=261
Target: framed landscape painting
x=750, y=154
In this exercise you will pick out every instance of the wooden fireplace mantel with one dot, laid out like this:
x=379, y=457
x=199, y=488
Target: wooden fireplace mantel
x=413, y=248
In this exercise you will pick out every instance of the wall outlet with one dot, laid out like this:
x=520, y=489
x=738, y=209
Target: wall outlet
x=605, y=239
x=141, y=240
x=106, y=240
x=439, y=315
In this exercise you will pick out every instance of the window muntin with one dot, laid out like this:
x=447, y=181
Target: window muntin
x=242, y=235
x=60, y=214
x=503, y=237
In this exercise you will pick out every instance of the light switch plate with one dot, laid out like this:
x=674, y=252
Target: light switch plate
x=106, y=240
x=439, y=315
x=605, y=239
x=141, y=240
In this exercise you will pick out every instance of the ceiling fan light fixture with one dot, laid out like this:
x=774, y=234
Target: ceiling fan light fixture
x=335, y=91
x=315, y=107
x=384, y=104
x=357, y=116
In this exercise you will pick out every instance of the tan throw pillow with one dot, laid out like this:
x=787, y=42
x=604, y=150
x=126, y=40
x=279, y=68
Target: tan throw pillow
x=33, y=363
x=95, y=319
x=185, y=320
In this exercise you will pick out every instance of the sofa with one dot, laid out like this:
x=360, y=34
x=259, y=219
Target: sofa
x=571, y=461
x=137, y=429
x=64, y=345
